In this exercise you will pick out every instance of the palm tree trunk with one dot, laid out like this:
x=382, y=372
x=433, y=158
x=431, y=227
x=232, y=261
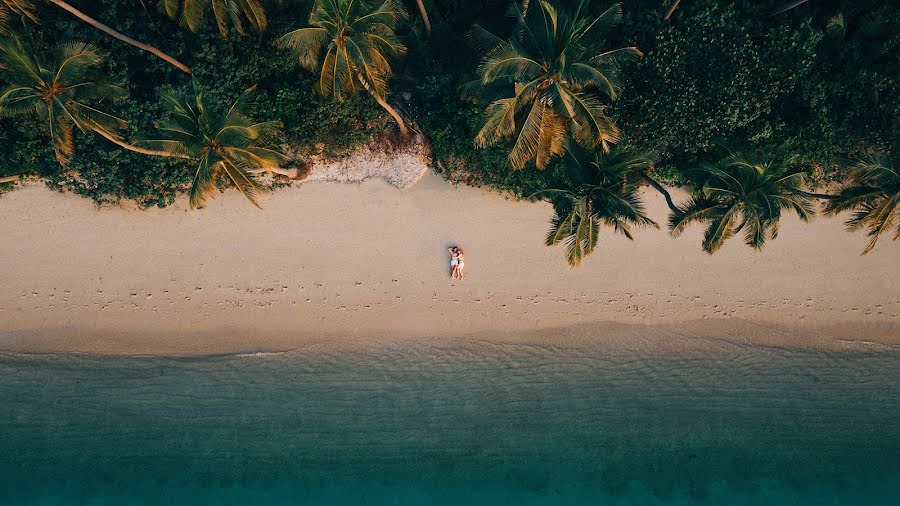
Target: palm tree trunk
x=124, y=38
x=790, y=6
x=671, y=10
x=129, y=147
x=424, y=18
x=665, y=193
x=387, y=107
x=9, y=179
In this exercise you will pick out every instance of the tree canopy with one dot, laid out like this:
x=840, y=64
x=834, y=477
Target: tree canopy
x=557, y=69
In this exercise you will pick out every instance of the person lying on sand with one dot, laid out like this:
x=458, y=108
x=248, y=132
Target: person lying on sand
x=456, y=263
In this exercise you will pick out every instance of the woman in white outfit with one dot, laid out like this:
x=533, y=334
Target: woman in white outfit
x=456, y=262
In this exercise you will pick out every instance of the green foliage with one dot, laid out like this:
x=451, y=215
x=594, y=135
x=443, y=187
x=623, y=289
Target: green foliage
x=556, y=69
x=12, y=9
x=314, y=125
x=234, y=12
x=712, y=78
x=607, y=195
x=225, y=67
x=112, y=174
x=729, y=74
x=738, y=195
x=874, y=196
x=220, y=143
x=451, y=125
x=819, y=81
x=63, y=90
x=349, y=45
x=847, y=109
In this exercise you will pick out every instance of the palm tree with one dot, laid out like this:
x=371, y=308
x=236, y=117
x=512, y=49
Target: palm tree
x=9, y=8
x=739, y=195
x=193, y=11
x=874, y=193
x=124, y=38
x=608, y=196
x=349, y=45
x=557, y=71
x=225, y=144
x=65, y=93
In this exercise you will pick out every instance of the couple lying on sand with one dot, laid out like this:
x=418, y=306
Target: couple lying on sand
x=456, y=262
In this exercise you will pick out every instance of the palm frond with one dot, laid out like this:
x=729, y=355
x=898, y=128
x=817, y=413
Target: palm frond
x=307, y=43
x=526, y=144
x=24, y=9
x=611, y=200
x=202, y=185
x=191, y=13
x=874, y=195
x=720, y=229
x=482, y=40
x=697, y=209
x=508, y=62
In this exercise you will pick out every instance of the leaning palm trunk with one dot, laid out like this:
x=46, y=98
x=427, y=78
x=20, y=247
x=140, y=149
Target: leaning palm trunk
x=387, y=107
x=9, y=179
x=122, y=144
x=671, y=10
x=659, y=188
x=124, y=38
x=790, y=6
x=424, y=18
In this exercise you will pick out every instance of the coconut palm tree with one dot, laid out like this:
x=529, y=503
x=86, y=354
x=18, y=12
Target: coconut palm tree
x=349, y=44
x=557, y=71
x=66, y=93
x=226, y=144
x=743, y=196
x=21, y=8
x=874, y=195
x=192, y=12
x=607, y=196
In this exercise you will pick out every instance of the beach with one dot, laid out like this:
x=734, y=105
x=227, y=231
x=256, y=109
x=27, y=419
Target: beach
x=317, y=352
x=346, y=263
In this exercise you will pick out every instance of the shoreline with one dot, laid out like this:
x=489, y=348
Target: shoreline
x=367, y=261
x=659, y=341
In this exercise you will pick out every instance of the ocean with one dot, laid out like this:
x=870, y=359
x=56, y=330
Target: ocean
x=454, y=422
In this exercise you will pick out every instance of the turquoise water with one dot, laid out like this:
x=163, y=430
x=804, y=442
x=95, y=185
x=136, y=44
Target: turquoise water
x=471, y=423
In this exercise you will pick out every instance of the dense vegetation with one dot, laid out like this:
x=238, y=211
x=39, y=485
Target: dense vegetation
x=806, y=96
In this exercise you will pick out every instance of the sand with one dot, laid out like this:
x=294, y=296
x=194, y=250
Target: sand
x=336, y=262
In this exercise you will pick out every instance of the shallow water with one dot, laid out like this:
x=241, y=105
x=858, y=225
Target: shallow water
x=475, y=422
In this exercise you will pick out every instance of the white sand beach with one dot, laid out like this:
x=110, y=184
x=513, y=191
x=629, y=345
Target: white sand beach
x=329, y=260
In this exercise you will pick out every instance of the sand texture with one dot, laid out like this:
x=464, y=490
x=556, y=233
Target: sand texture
x=326, y=260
